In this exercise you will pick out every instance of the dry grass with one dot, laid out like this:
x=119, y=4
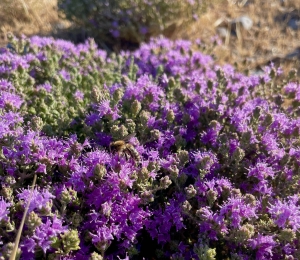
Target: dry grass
x=28, y=17
x=269, y=39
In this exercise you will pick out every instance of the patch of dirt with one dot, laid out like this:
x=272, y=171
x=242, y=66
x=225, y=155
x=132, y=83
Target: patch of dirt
x=270, y=33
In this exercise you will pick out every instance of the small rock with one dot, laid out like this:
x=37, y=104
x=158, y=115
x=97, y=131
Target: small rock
x=245, y=21
x=293, y=55
x=294, y=23
x=222, y=32
x=256, y=72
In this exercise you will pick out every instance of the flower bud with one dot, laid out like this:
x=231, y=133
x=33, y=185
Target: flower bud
x=165, y=182
x=136, y=108
x=226, y=192
x=118, y=132
x=236, y=192
x=214, y=124
x=155, y=134
x=123, y=131
x=182, y=179
x=118, y=94
x=153, y=166
x=286, y=235
x=33, y=221
x=75, y=148
x=7, y=192
x=143, y=174
x=250, y=199
x=36, y=123
x=245, y=140
x=70, y=241
x=68, y=195
x=186, y=206
x=178, y=94
x=8, y=249
x=170, y=116
x=46, y=209
x=190, y=191
x=144, y=117
x=172, y=83
x=99, y=171
x=244, y=233
x=204, y=252
x=30, y=82
x=95, y=256
x=9, y=226
x=125, y=80
x=220, y=74
x=211, y=197
x=147, y=196
x=130, y=125
x=183, y=156
x=106, y=209
x=205, y=163
x=173, y=172
x=180, y=141
x=269, y=119
x=257, y=112
x=56, y=80
x=238, y=155
x=103, y=245
x=201, y=214
x=76, y=219
x=95, y=95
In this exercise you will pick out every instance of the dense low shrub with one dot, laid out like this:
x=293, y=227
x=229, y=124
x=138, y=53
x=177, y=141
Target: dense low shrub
x=130, y=20
x=212, y=171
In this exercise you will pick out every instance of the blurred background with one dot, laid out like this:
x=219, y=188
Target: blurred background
x=246, y=33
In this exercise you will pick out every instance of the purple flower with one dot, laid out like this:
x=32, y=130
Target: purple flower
x=41, y=169
x=65, y=75
x=45, y=86
x=164, y=220
x=7, y=98
x=104, y=109
x=286, y=214
x=5, y=85
x=4, y=209
x=291, y=87
x=261, y=171
x=236, y=211
x=263, y=246
x=79, y=95
x=39, y=199
x=143, y=30
x=45, y=232
x=115, y=33
x=205, y=160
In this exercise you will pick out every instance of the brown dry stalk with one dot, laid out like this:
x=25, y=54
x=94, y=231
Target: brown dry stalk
x=25, y=7
x=17, y=240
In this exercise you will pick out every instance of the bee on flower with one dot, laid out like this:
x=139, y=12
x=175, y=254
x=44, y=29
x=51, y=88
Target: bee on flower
x=125, y=148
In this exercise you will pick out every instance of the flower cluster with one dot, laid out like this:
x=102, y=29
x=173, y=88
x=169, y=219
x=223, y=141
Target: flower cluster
x=158, y=153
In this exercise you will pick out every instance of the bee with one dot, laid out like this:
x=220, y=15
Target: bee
x=126, y=149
